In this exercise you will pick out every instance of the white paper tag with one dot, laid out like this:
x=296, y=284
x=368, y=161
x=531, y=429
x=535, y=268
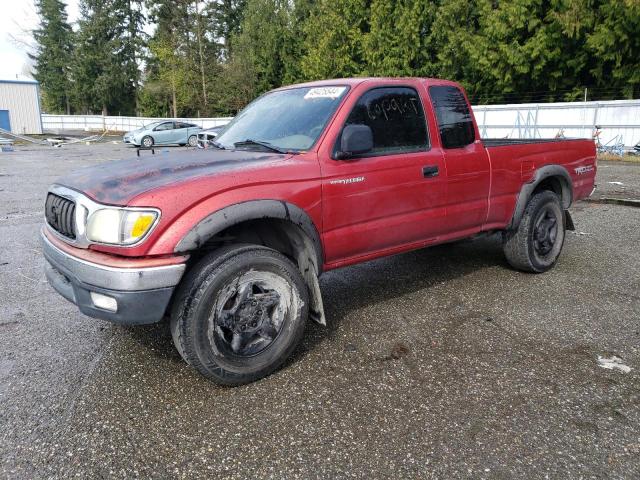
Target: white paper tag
x=324, y=92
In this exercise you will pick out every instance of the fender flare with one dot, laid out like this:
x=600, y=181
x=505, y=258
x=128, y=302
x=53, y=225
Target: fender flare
x=527, y=189
x=237, y=213
x=310, y=267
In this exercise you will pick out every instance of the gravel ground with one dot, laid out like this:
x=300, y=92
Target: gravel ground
x=618, y=180
x=441, y=363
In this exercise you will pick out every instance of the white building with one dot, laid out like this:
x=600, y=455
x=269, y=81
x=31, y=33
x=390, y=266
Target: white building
x=20, y=106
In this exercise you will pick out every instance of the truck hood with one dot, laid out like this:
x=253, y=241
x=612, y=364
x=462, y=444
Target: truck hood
x=117, y=183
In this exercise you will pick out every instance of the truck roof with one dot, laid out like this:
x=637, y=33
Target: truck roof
x=354, y=81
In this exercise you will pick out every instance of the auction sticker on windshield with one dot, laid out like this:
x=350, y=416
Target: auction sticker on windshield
x=325, y=92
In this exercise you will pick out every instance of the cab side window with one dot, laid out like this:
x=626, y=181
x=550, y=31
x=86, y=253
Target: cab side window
x=454, y=118
x=396, y=119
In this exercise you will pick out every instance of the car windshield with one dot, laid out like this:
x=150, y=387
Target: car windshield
x=287, y=120
x=151, y=125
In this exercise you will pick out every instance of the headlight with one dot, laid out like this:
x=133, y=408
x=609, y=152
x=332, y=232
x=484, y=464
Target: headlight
x=120, y=226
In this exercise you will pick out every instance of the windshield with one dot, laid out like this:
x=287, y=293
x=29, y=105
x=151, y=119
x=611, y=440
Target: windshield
x=151, y=125
x=288, y=120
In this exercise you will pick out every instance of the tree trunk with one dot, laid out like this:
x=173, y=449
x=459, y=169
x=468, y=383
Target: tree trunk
x=174, y=101
x=132, y=47
x=201, y=54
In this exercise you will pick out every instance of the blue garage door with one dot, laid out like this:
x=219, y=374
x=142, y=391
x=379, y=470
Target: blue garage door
x=4, y=120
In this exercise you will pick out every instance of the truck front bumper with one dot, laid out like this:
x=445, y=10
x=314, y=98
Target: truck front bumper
x=130, y=296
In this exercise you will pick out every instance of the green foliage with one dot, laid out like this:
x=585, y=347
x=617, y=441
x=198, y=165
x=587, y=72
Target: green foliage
x=104, y=65
x=183, y=61
x=396, y=41
x=211, y=57
x=54, y=48
x=615, y=44
x=334, y=39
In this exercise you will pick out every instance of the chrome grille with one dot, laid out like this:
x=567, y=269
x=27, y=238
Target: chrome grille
x=60, y=213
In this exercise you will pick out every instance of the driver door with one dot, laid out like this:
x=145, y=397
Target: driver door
x=163, y=133
x=393, y=197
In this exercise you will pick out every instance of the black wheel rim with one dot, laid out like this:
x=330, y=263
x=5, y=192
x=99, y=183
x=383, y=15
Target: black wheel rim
x=545, y=232
x=249, y=314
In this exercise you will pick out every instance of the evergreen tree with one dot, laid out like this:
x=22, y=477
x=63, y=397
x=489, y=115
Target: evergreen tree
x=615, y=43
x=131, y=13
x=210, y=57
x=182, y=64
x=396, y=42
x=334, y=39
x=53, y=53
x=225, y=20
x=102, y=66
x=267, y=51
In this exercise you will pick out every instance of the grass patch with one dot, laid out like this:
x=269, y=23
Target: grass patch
x=616, y=158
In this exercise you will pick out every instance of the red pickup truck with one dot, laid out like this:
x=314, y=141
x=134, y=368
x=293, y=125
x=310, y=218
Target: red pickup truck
x=228, y=242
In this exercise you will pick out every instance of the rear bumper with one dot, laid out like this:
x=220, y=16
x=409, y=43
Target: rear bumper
x=141, y=294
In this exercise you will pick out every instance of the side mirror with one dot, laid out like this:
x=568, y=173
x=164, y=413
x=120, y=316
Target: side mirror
x=356, y=140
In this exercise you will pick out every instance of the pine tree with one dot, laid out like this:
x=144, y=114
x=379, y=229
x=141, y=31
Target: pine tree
x=334, y=39
x=396, y=41
x=133, y=43
x=267, y=51
x=225, y=21
x=54, y=46
x=182, y=61
x=102, y=66
x=615, y=43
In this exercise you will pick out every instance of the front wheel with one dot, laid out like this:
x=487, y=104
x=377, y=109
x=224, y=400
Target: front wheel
x=193, y=141
x=147, y=142
x=240, y=313
x=536, y=245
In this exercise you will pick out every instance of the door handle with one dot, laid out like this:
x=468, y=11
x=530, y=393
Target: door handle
x=430, y=171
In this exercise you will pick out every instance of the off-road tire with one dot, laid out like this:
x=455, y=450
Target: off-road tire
x=520, y=245
x=198, y=297
x=147, y=141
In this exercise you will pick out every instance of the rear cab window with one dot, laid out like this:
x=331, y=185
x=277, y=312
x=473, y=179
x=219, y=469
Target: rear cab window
x=454, y=117
x=396, y=118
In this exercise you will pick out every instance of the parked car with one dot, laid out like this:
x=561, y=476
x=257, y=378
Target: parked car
x=205, y=136
x=164, y=132
x=229, y=242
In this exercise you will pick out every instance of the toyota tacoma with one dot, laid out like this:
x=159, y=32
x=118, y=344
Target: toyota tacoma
x=229, y=242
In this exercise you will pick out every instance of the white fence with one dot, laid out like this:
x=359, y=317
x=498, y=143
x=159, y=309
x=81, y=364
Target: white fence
x=94, y=123
x=618, y=119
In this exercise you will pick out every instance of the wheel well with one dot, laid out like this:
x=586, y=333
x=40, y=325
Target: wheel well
x=283, y=236
x=553, y=184
x=554, y=178
x=558, y=185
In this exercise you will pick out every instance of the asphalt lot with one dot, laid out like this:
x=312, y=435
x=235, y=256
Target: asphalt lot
x=441, y=363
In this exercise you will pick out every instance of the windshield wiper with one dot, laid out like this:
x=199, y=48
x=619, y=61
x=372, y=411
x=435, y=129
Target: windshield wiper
x=267, y=145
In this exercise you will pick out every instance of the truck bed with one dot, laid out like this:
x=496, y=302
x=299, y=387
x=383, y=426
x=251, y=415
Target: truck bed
x=502, y=142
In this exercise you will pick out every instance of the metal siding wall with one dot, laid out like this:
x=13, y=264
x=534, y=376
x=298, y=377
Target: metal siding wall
x=98, y=123
x=21, y=99
x=619, y=120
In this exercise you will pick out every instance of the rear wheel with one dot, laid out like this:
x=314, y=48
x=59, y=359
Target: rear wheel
x=536, y=245
x=193, y=141
x=239, y=313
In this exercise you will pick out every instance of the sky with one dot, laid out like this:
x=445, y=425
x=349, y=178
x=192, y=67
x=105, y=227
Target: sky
x=16, y=24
